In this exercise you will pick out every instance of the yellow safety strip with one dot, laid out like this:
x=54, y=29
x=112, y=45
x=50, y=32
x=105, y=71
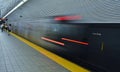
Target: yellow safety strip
x=61, y=61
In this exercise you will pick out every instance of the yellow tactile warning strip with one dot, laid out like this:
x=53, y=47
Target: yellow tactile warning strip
x=61, y=61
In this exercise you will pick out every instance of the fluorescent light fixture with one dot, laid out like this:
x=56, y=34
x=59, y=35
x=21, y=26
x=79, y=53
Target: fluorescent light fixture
x=20, y=4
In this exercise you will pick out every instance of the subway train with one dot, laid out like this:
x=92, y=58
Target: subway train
x=86, y=32
x=93, y=46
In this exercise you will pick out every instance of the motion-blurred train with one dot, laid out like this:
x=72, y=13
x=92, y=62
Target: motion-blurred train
x=93, y=46
x=86, y=32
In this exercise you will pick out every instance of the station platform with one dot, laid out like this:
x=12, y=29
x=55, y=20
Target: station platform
x=16, y=56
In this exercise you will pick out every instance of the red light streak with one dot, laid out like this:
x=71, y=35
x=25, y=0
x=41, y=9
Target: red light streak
x=53, y=41
x=61, y=18
x=84, y=43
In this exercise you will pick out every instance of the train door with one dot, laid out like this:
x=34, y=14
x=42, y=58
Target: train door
x=104, y=47
x=95, y=48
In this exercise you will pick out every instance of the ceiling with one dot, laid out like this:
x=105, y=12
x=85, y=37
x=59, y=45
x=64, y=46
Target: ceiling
x=7, y=5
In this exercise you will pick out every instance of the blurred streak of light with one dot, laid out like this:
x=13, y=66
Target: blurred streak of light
x=75, y=41
x=50, y=40
x=62, y=18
